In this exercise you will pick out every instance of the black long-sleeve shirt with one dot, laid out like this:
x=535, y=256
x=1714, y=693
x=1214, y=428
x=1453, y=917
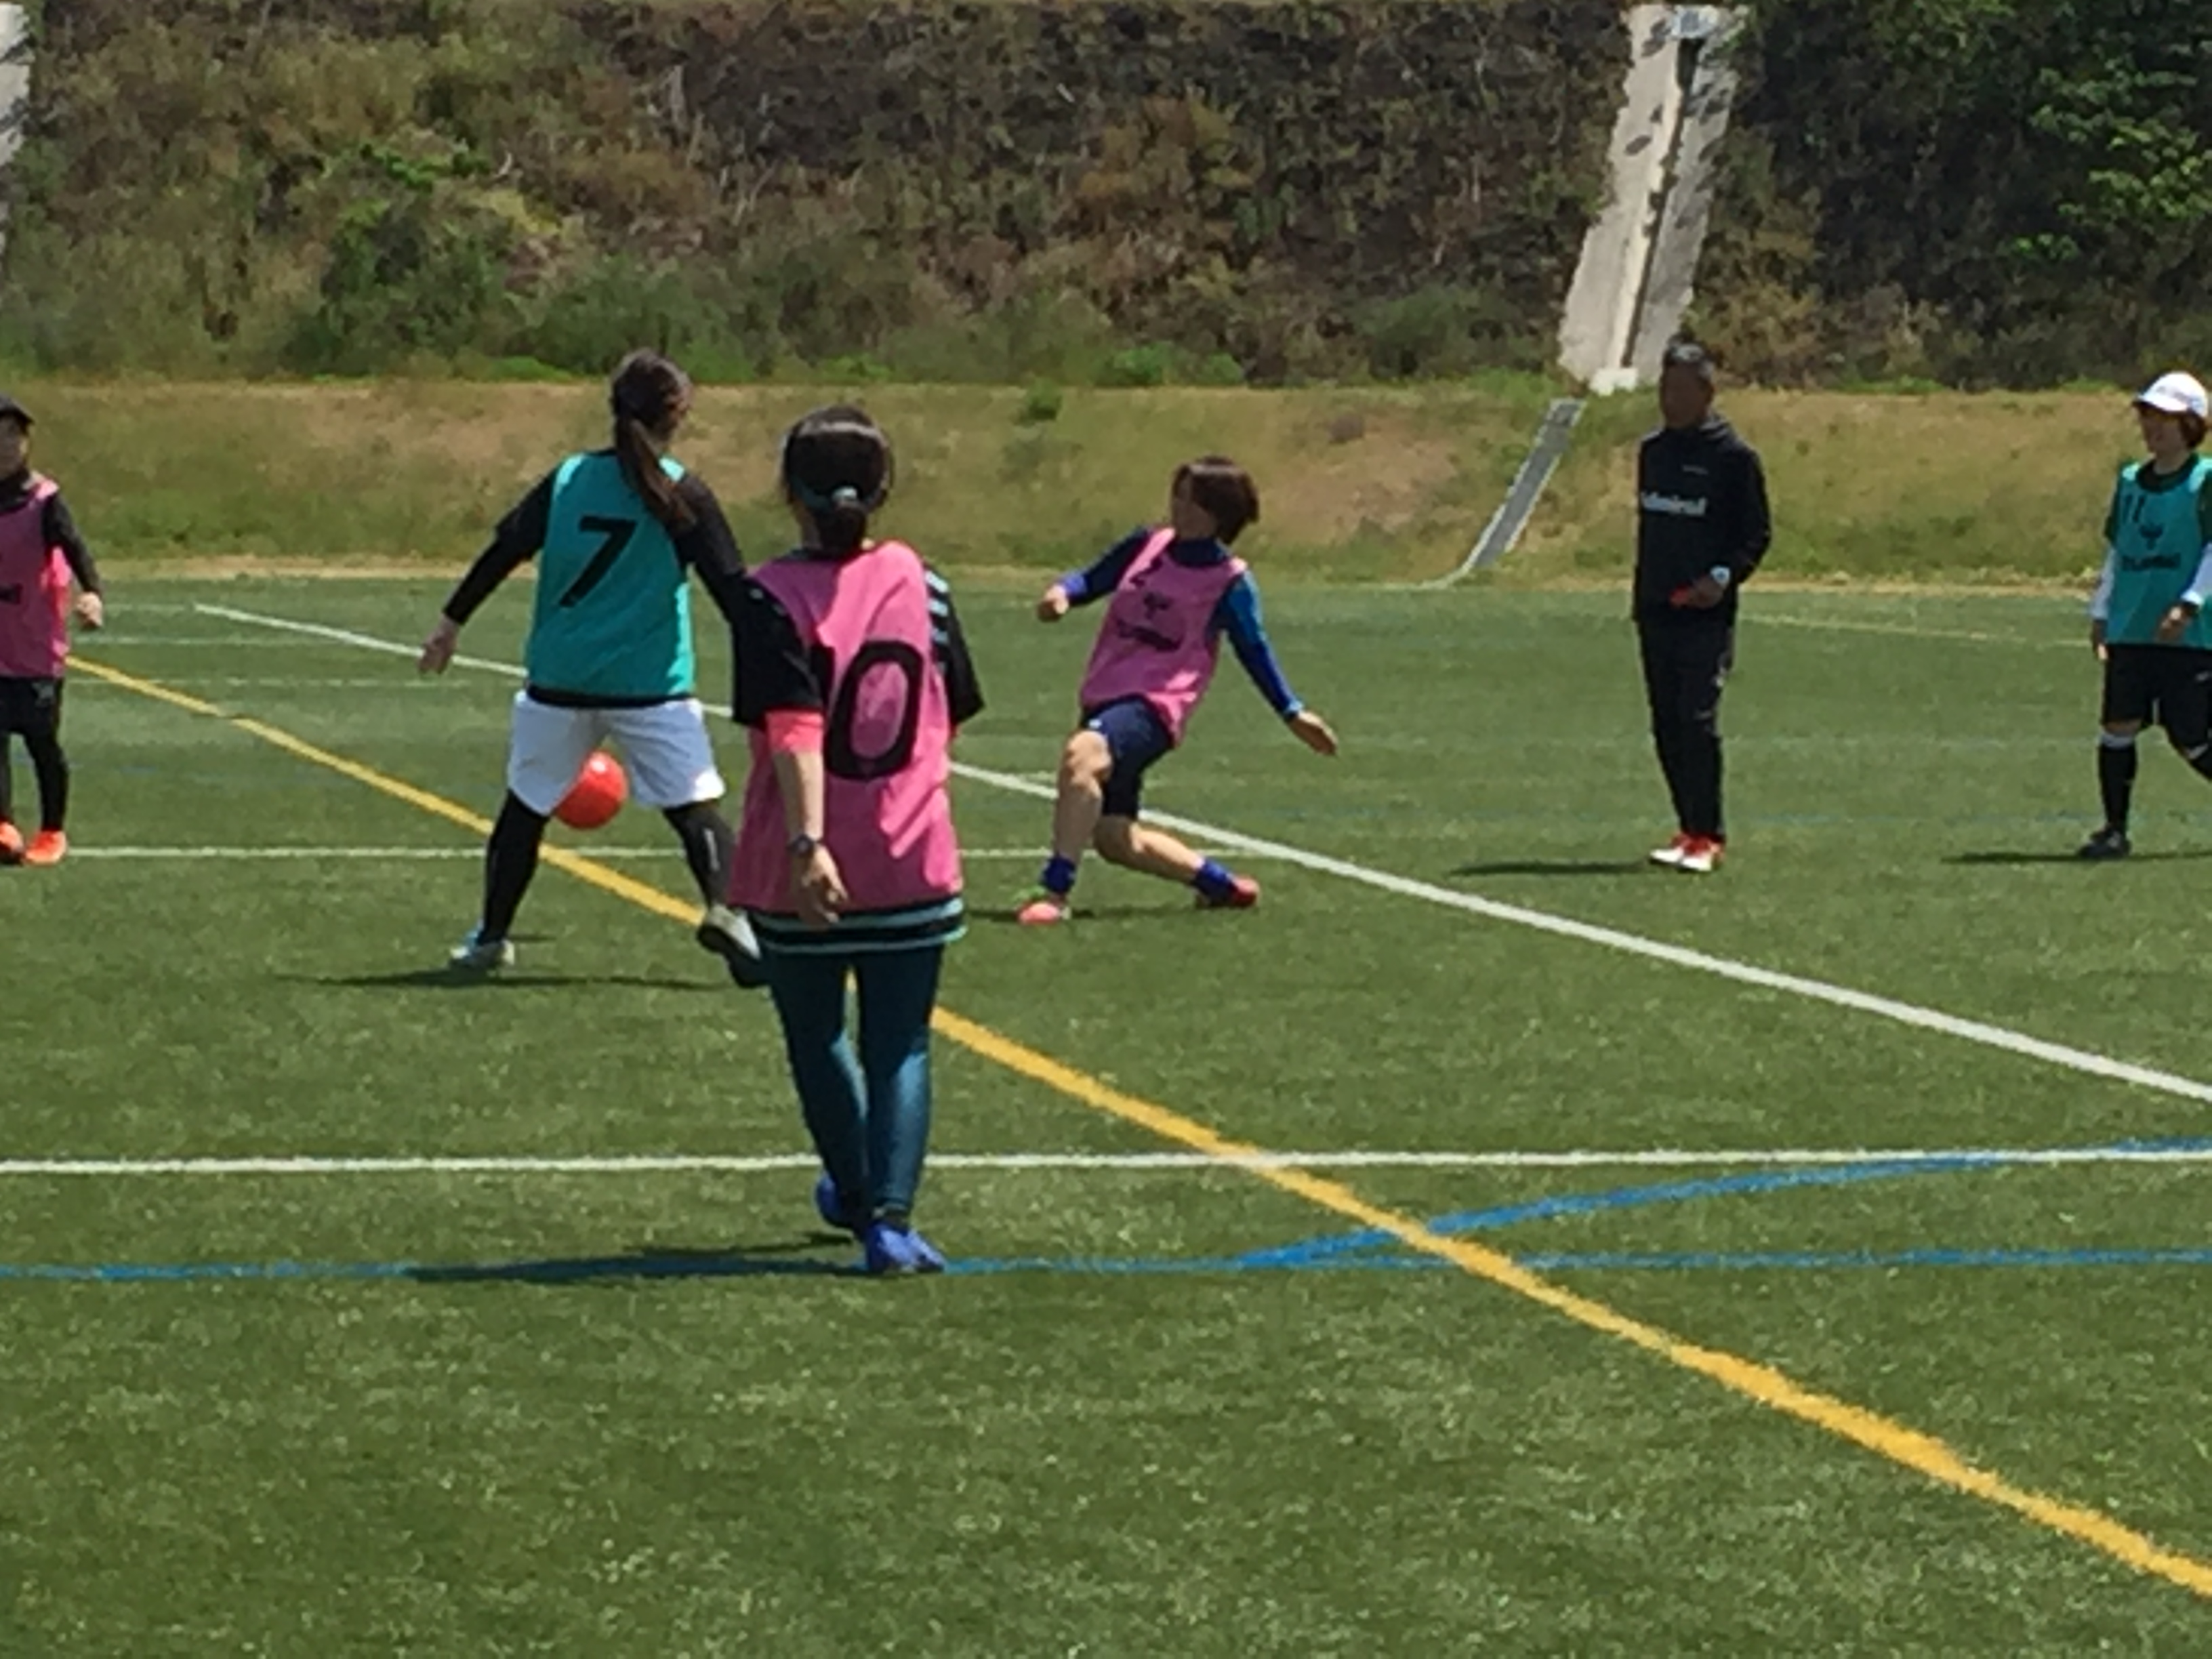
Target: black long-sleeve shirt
x=707, y=547
x=776, y=673
x=1701, y=507
x=60, y=528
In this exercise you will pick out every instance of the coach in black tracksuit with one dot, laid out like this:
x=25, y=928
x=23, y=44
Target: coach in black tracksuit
x=1701, y=529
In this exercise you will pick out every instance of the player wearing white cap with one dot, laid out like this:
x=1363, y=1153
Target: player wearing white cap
x=2147, y=620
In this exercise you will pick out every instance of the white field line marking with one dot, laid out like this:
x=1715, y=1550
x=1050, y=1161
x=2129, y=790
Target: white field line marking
x=1907, y=631
x=474, y=850
x=681, y=1164
x=1999, y=1038
x=347, y=636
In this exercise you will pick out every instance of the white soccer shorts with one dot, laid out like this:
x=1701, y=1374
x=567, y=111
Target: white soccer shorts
x=664, y=748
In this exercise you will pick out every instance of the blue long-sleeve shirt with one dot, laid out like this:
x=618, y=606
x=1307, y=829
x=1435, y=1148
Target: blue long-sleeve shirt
x=1237, y=615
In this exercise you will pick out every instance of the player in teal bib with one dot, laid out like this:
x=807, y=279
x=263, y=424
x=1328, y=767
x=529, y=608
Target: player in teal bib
x=612, y=618
x=2148, y=623
x=617, y=534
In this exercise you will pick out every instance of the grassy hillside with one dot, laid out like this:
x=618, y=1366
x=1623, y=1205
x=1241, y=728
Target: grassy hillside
x=1358, y=485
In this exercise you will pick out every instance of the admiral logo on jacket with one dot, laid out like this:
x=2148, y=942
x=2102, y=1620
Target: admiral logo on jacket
x=1701, y=502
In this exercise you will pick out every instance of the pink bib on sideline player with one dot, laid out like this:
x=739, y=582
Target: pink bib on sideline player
x=1158, y=641
x=34, y=591
x=887, y=737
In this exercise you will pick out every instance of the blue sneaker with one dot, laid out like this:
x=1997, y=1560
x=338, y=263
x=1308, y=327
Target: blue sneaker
x=830, y=1205
x=890, y=1249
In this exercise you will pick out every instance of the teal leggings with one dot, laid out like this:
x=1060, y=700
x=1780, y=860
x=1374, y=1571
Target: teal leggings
x=869, y=1113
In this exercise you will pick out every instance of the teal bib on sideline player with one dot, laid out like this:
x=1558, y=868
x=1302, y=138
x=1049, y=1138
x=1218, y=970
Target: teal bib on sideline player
x=2159, y=535
x=613, y=612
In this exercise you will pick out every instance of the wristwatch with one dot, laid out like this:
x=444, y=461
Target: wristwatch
x=802, y=845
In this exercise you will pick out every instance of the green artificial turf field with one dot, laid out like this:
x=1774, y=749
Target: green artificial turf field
x=1162, y=1406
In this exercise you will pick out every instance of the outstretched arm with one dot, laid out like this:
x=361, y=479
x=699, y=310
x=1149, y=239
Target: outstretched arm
x=1238, y=617
x=514, y=545
x=1094, y=581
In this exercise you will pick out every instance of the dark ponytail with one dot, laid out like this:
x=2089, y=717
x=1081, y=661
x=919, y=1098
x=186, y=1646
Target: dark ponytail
x=837, y=465
x=647, y=395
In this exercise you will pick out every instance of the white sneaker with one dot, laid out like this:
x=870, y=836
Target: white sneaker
x=1670, y=856
x=477, y=955
x=730, y=936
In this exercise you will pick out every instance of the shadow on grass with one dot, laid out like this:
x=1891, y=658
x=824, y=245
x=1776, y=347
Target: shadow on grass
x=1083, y=913
x=2005, y=859
x=1555, y=868
x=789, y=1260
x=452, y=979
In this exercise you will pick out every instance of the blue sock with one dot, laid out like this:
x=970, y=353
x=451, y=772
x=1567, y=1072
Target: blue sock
x=1214, y=880
x=1059, y=875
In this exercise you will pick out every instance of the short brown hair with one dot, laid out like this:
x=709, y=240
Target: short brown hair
x=2192, y=430
x=1223, y=490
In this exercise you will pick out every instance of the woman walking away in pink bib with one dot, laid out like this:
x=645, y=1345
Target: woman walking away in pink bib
x=853, y=676
x=1176, y=590
x=40, y=553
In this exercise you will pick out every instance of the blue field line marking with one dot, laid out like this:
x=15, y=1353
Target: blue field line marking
x=1365, y=1250
x=1308, y=1251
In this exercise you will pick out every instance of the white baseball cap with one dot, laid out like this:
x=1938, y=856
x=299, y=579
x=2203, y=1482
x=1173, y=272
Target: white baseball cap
x=2176, y=394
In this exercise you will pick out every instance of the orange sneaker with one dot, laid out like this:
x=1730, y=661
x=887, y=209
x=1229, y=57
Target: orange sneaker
x=11, y=843
x=48, y=846
x=1043, y=909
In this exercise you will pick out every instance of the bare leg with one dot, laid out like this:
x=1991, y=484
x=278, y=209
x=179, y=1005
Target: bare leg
x=1150, y=852
x=1084, y=766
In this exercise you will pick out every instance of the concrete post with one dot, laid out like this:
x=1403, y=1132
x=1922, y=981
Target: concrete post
x=15, y=91
x=1640, y=256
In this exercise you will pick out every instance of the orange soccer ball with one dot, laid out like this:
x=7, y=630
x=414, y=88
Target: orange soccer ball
x=597, y=795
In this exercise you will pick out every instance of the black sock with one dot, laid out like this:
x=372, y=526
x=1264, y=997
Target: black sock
x=1690, y=755
x=1671, y=766
x=705, y=834
x=510, y=860
x=52, y=768
x=7, y=778
x=2115, y=780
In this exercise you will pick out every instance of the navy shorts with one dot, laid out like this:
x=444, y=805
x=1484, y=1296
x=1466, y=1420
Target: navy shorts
x=1135, y=737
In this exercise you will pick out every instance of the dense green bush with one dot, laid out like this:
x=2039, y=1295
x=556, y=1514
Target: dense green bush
x=1149, y=191
x=2016, y=192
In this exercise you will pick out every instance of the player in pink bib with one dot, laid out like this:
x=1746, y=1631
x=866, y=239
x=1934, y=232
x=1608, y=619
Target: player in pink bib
x=40, y=555
x=853, y=676
x=1176, y=591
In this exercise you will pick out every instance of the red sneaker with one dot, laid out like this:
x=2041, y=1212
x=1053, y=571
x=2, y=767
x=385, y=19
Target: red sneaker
x=1702, y=856
x=1670, y=856
x=48, y=846
x=1243, y=893
x=11, y=843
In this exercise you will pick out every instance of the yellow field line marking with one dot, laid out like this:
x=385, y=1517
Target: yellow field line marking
x=1907, y=1447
